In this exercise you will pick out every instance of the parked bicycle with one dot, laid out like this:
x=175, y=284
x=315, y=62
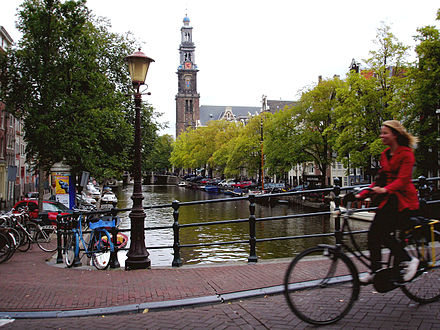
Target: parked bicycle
x=8, y=244
x=322, y=283
x=27, y=231
x=99, y=244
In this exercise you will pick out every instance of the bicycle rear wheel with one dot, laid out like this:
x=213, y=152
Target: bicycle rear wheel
x=47, y=239
x=101, y=250
x=25, y=242
x=425, y=287
x=321, y=285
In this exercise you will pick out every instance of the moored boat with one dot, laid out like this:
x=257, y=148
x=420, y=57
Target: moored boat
x=212, y=189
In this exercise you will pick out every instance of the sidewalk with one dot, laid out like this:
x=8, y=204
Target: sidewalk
x=39, y=294
x=33, y=282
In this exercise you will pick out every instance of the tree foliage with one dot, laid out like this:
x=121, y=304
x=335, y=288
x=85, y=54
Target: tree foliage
x=368, y=98
x=66, y=80
x=423, y=99
x=281, y=148
x=203, y=146
x=158, y=159
x=245, y=150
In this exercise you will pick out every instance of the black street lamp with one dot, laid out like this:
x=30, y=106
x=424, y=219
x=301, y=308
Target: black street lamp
x=137, y=256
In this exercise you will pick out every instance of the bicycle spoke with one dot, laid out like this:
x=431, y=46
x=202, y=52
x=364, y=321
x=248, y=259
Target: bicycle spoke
x=425, y=287
x=320, y=288
x=46, y=239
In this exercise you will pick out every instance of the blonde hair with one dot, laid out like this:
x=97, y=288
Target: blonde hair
x=403, y=137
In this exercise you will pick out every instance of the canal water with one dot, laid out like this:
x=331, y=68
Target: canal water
x=159, y=195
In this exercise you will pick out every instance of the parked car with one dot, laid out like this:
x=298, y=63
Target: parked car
x=226, y=183
x=242, y=184
x=50, y=209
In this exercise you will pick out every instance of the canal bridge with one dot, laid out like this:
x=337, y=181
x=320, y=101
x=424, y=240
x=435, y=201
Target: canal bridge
x=160, y=179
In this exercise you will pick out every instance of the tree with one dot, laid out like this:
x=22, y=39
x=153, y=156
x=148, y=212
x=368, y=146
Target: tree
x=368, y=98
x=196, y=148
x=245, y=149
x=158, y=159
x=224, y=144
x=67, y=81
x=282, y=149
x=315, y=122
x=423, y=99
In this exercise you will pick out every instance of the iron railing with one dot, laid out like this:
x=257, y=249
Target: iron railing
x=63, y=222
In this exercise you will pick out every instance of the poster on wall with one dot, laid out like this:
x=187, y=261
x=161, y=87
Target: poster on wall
x=63, y=190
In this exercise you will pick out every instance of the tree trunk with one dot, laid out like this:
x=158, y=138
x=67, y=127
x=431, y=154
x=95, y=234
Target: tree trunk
x=41, y=178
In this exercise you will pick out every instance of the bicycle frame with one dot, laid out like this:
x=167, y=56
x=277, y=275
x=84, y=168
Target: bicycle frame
x=88, y=249
x=432, y=231
x=340, y=246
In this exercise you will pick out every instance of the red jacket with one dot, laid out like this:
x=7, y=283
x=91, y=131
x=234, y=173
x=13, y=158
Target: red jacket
x=398, y=172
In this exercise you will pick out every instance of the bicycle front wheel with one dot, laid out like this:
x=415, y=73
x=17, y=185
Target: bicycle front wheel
x=321, y=285
x=69, y=253
x=46, y=239
x=101, y=250
x=7, y=247
x=425, y=286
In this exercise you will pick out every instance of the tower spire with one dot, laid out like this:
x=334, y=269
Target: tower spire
x=187, y=98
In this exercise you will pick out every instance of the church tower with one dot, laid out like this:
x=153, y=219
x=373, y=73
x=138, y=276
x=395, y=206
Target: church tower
x=187, y=98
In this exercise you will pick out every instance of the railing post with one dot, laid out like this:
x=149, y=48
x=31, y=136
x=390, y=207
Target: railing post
x=177, y=262
x=337, y=191
x=114, y=262
x=252, y=231
x=424, y=192
x=59, y=240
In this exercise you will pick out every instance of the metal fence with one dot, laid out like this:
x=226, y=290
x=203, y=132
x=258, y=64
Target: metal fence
x=63, y=221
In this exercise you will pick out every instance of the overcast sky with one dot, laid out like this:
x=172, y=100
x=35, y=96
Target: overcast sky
x=247, y=48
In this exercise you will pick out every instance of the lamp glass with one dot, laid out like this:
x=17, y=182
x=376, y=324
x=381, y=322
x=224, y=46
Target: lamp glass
x=138, y=68
x=138, y=64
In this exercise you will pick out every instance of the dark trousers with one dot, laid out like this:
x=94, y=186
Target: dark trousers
x=385, y=223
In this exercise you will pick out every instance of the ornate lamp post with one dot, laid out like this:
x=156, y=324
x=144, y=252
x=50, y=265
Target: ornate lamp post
x=137, y=256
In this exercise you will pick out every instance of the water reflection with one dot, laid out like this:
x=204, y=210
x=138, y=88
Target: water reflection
x=158, y=195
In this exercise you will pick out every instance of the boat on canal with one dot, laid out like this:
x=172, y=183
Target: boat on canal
x=212, y=189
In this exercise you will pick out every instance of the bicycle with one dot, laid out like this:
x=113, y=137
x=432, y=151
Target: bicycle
x=98, y=247
x=321, y=284
x=8, y=244
x=32, y=231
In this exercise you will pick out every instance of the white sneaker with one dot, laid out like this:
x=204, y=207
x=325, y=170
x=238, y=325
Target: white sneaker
x=366, y=278
x=410, y=269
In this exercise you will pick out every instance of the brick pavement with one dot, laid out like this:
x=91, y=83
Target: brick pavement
x=29, y=283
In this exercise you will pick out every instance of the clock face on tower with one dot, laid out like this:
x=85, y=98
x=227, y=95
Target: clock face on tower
x=188, y=65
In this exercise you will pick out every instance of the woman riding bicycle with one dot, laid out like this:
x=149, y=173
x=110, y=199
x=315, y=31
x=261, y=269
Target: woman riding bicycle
x=398, y=199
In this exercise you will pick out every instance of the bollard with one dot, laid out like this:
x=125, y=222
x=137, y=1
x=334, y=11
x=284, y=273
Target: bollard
x=252, y=232
x=114, y=262
x=59, y=240
x=177, y=262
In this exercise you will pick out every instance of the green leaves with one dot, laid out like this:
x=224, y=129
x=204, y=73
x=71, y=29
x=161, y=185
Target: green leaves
x=67, y=81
